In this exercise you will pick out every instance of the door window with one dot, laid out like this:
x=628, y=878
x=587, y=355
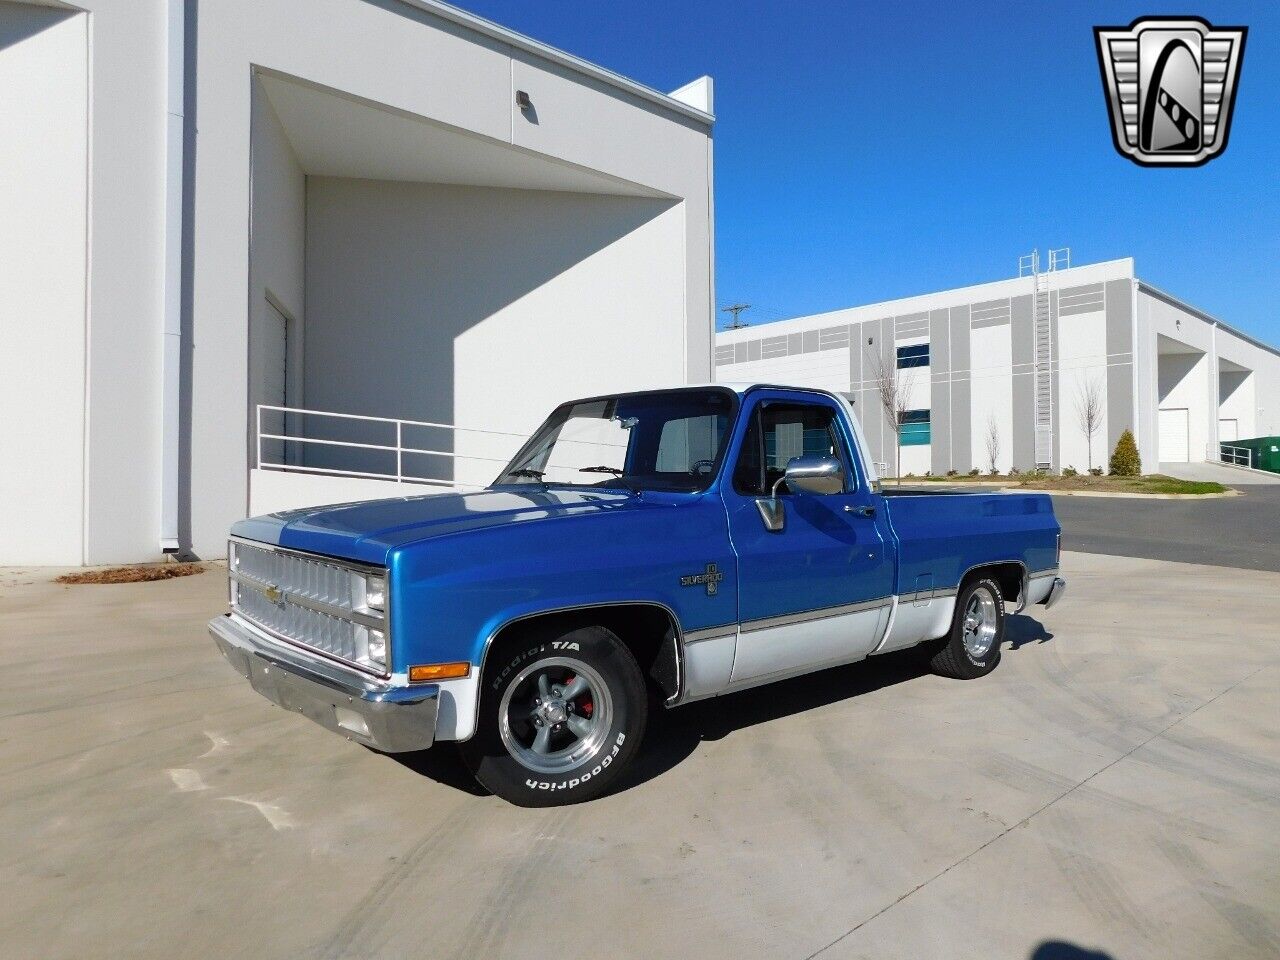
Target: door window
x=779, y=432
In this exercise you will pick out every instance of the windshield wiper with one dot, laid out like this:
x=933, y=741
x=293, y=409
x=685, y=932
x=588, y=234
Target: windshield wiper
x=614, y=470
x=526, y=472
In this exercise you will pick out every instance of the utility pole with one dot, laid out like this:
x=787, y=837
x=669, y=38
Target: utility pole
x=735, y=309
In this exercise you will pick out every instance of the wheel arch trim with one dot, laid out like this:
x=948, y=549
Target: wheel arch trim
x=507, y=624
x=1023, y=580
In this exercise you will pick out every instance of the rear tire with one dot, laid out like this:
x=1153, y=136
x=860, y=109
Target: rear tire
x=972, y=648
x=561, y=716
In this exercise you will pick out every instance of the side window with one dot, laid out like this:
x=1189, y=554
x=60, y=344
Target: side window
x=778, y=432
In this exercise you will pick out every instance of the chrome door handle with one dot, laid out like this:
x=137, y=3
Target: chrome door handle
x=862, y=511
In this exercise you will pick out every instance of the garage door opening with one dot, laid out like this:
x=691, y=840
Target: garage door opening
x=1175, y=440
x=1186, y=414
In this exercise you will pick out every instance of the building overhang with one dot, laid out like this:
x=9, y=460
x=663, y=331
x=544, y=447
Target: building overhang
x=337, y=134
x=542, y=51
x=1199, y=314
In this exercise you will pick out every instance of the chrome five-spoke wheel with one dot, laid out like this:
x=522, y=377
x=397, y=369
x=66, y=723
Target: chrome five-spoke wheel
x=555, y=714
x=971, y=648
x=980, y=625
x=561, y=714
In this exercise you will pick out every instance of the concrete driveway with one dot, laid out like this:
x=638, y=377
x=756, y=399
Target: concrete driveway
x=1113, y=788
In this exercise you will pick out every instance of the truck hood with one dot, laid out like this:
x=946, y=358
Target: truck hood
x=369, y=530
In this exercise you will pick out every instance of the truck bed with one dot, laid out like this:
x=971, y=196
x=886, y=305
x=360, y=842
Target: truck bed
x=943, y=534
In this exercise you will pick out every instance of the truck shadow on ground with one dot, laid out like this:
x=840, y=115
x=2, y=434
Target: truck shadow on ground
x=674, y=735
x=1021, y=630
x=1062, y=950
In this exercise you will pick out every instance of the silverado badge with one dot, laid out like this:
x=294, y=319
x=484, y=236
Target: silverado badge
x=711, y=578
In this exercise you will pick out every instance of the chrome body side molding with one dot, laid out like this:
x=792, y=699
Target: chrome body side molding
x=809, y=616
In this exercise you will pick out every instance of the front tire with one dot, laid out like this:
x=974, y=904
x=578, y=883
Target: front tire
x=972, y=648
x=561, y=716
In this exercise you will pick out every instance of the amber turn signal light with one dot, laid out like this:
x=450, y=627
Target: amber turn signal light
x=438, y=671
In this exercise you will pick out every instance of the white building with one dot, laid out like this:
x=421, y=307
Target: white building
x=376, y=207
x=1015, y=358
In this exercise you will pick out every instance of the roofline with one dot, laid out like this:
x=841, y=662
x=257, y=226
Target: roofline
x=931, y=293
x=1203, y=315
x=518, y=40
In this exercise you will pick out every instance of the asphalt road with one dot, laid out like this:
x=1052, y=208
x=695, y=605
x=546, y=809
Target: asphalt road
x=1241, y=531
x=1112, y=790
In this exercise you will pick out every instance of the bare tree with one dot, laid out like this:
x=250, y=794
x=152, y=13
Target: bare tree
x=1089, y=410
x=893, y=386
x=993, y=442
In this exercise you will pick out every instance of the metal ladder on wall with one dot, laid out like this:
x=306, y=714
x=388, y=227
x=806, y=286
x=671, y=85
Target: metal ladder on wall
x=1042, y=370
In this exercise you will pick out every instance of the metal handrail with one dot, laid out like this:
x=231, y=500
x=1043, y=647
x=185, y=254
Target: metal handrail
x=398, y=448
x=1239, y=456
x=398, y=420
x=375, y=446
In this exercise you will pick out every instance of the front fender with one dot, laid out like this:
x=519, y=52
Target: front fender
x=453, y=595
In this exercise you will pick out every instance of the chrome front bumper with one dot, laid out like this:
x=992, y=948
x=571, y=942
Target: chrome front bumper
x=1055, y=592
x=390, y=719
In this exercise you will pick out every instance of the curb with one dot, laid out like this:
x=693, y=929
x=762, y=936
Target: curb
x=1018, y=488
x=957, y=484
x=1135, y=496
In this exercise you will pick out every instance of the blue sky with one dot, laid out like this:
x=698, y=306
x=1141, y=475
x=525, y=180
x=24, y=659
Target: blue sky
x=867, y=151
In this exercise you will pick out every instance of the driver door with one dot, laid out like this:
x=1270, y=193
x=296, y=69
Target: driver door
x=817, y=592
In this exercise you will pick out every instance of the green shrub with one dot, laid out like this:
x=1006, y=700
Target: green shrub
x=974, y=472
x=1095, y=471
x=1125, y=461
x=953, y=473
x=1070, y=472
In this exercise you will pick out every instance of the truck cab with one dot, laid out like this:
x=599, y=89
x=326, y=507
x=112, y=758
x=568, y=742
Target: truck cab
x=640, y=550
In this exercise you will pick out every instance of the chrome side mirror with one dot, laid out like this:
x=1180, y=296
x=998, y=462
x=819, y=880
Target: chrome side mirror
x=814, y=474
x=811, y=474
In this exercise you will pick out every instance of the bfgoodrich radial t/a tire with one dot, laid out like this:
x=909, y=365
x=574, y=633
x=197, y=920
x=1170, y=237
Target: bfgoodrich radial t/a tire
x=972, y=648
x=561, y=715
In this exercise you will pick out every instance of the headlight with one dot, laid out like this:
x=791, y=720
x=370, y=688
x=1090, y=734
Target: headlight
x=378, y=648
x=375, y=593
x=369, y=597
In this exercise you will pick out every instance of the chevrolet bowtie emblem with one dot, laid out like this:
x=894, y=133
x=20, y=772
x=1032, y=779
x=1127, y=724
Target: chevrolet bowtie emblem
x=273, y=593
x=1170, y=84
x=711, y=578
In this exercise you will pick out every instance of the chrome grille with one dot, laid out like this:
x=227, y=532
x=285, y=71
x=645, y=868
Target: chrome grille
x=279, y=591
x=314, y=579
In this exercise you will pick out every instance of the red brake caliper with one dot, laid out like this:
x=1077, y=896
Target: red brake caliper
x=586, y=707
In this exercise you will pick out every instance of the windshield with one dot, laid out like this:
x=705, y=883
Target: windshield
x=672, y=440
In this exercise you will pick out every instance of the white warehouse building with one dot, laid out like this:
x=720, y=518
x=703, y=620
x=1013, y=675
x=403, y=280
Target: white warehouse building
x=1016, y=360
x=390, y=214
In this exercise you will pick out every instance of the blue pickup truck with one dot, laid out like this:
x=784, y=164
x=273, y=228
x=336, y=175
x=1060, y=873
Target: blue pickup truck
x=641, y=550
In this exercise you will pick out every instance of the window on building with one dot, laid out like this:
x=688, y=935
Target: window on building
x=913, y=356
x=915, y=429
